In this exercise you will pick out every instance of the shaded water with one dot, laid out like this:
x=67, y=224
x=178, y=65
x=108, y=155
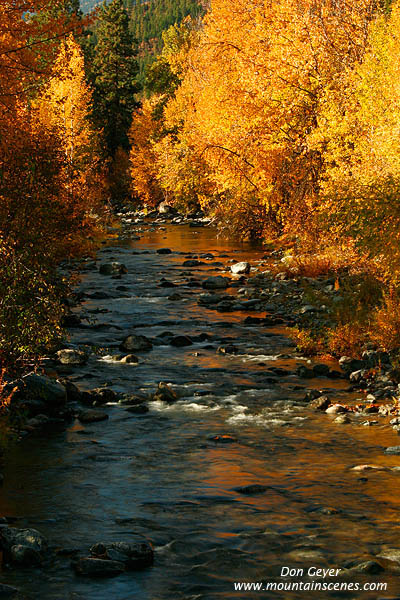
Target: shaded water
x=161, y=475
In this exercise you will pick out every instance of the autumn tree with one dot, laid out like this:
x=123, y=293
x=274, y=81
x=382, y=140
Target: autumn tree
x=250, y=98
x=38, y=224
x=144, y=132
x=153, y=139
x=66, y=102
x=358, y=135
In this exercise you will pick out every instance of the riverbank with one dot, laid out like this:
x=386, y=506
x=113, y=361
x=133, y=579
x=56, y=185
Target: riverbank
x=234, y=451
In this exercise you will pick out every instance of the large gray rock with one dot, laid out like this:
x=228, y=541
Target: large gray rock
x=40, y=387
x=135, y=343
x=216, y=283
x=240, y=268
x=113, y=268
x=72, y=357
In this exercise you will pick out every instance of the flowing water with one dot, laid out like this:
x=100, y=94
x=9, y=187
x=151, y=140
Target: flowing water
x=161, y=475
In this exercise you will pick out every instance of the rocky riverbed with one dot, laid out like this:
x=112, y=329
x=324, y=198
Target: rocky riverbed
x=178, y=443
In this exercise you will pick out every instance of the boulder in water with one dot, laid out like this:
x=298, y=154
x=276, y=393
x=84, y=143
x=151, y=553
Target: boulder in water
x=216, y=283
x=240, y=268
x=98, y=567
x=68, y=356
x=165, y=393
x=135, y=343
x=92, y=416
x=134, y=555
x=113, y=268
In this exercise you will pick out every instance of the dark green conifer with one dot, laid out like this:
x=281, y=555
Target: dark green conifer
x=114, y=76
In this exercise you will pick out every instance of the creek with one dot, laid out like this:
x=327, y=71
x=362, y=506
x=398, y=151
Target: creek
x=163, y=475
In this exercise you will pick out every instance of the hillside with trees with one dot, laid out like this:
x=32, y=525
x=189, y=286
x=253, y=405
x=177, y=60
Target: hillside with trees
x=147, y=21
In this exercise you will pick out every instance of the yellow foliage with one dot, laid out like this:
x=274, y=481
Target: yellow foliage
x=250, y=99
x=143, y=159
x=359, y=136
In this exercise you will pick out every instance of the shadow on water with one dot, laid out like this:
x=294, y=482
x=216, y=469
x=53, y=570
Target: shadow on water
x=162, y=476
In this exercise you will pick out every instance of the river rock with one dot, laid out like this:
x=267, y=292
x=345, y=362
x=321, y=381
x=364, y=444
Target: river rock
x=321, y=403
x=375, y=358
x=336, y=409
x=92, y=416
x=216, y=283
x=209, y=299
x=164, y=251
x=175, y=297
x=193, y=263
x=349, y=365
x=113, y=268
x=24, y=556
x=39, y=390
x=97, y=567
x=305, y=372
x=372, y=567
x=229, y=349
x=165, y=393
x=253, y=321
x=370, y=468
x=358, y=376
x=99, y=396
x=393, y=450
x=392, y=554
x=135, y=343
x=37, y=422
x=74, y=394
x=312, y=395
x=136, y=554
x=342, y=420
x=166, y=209
x=25, y=547
x=72, y=357
x=321, y=370
x=240, y=268
x=130, y=359
x=180, y=341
